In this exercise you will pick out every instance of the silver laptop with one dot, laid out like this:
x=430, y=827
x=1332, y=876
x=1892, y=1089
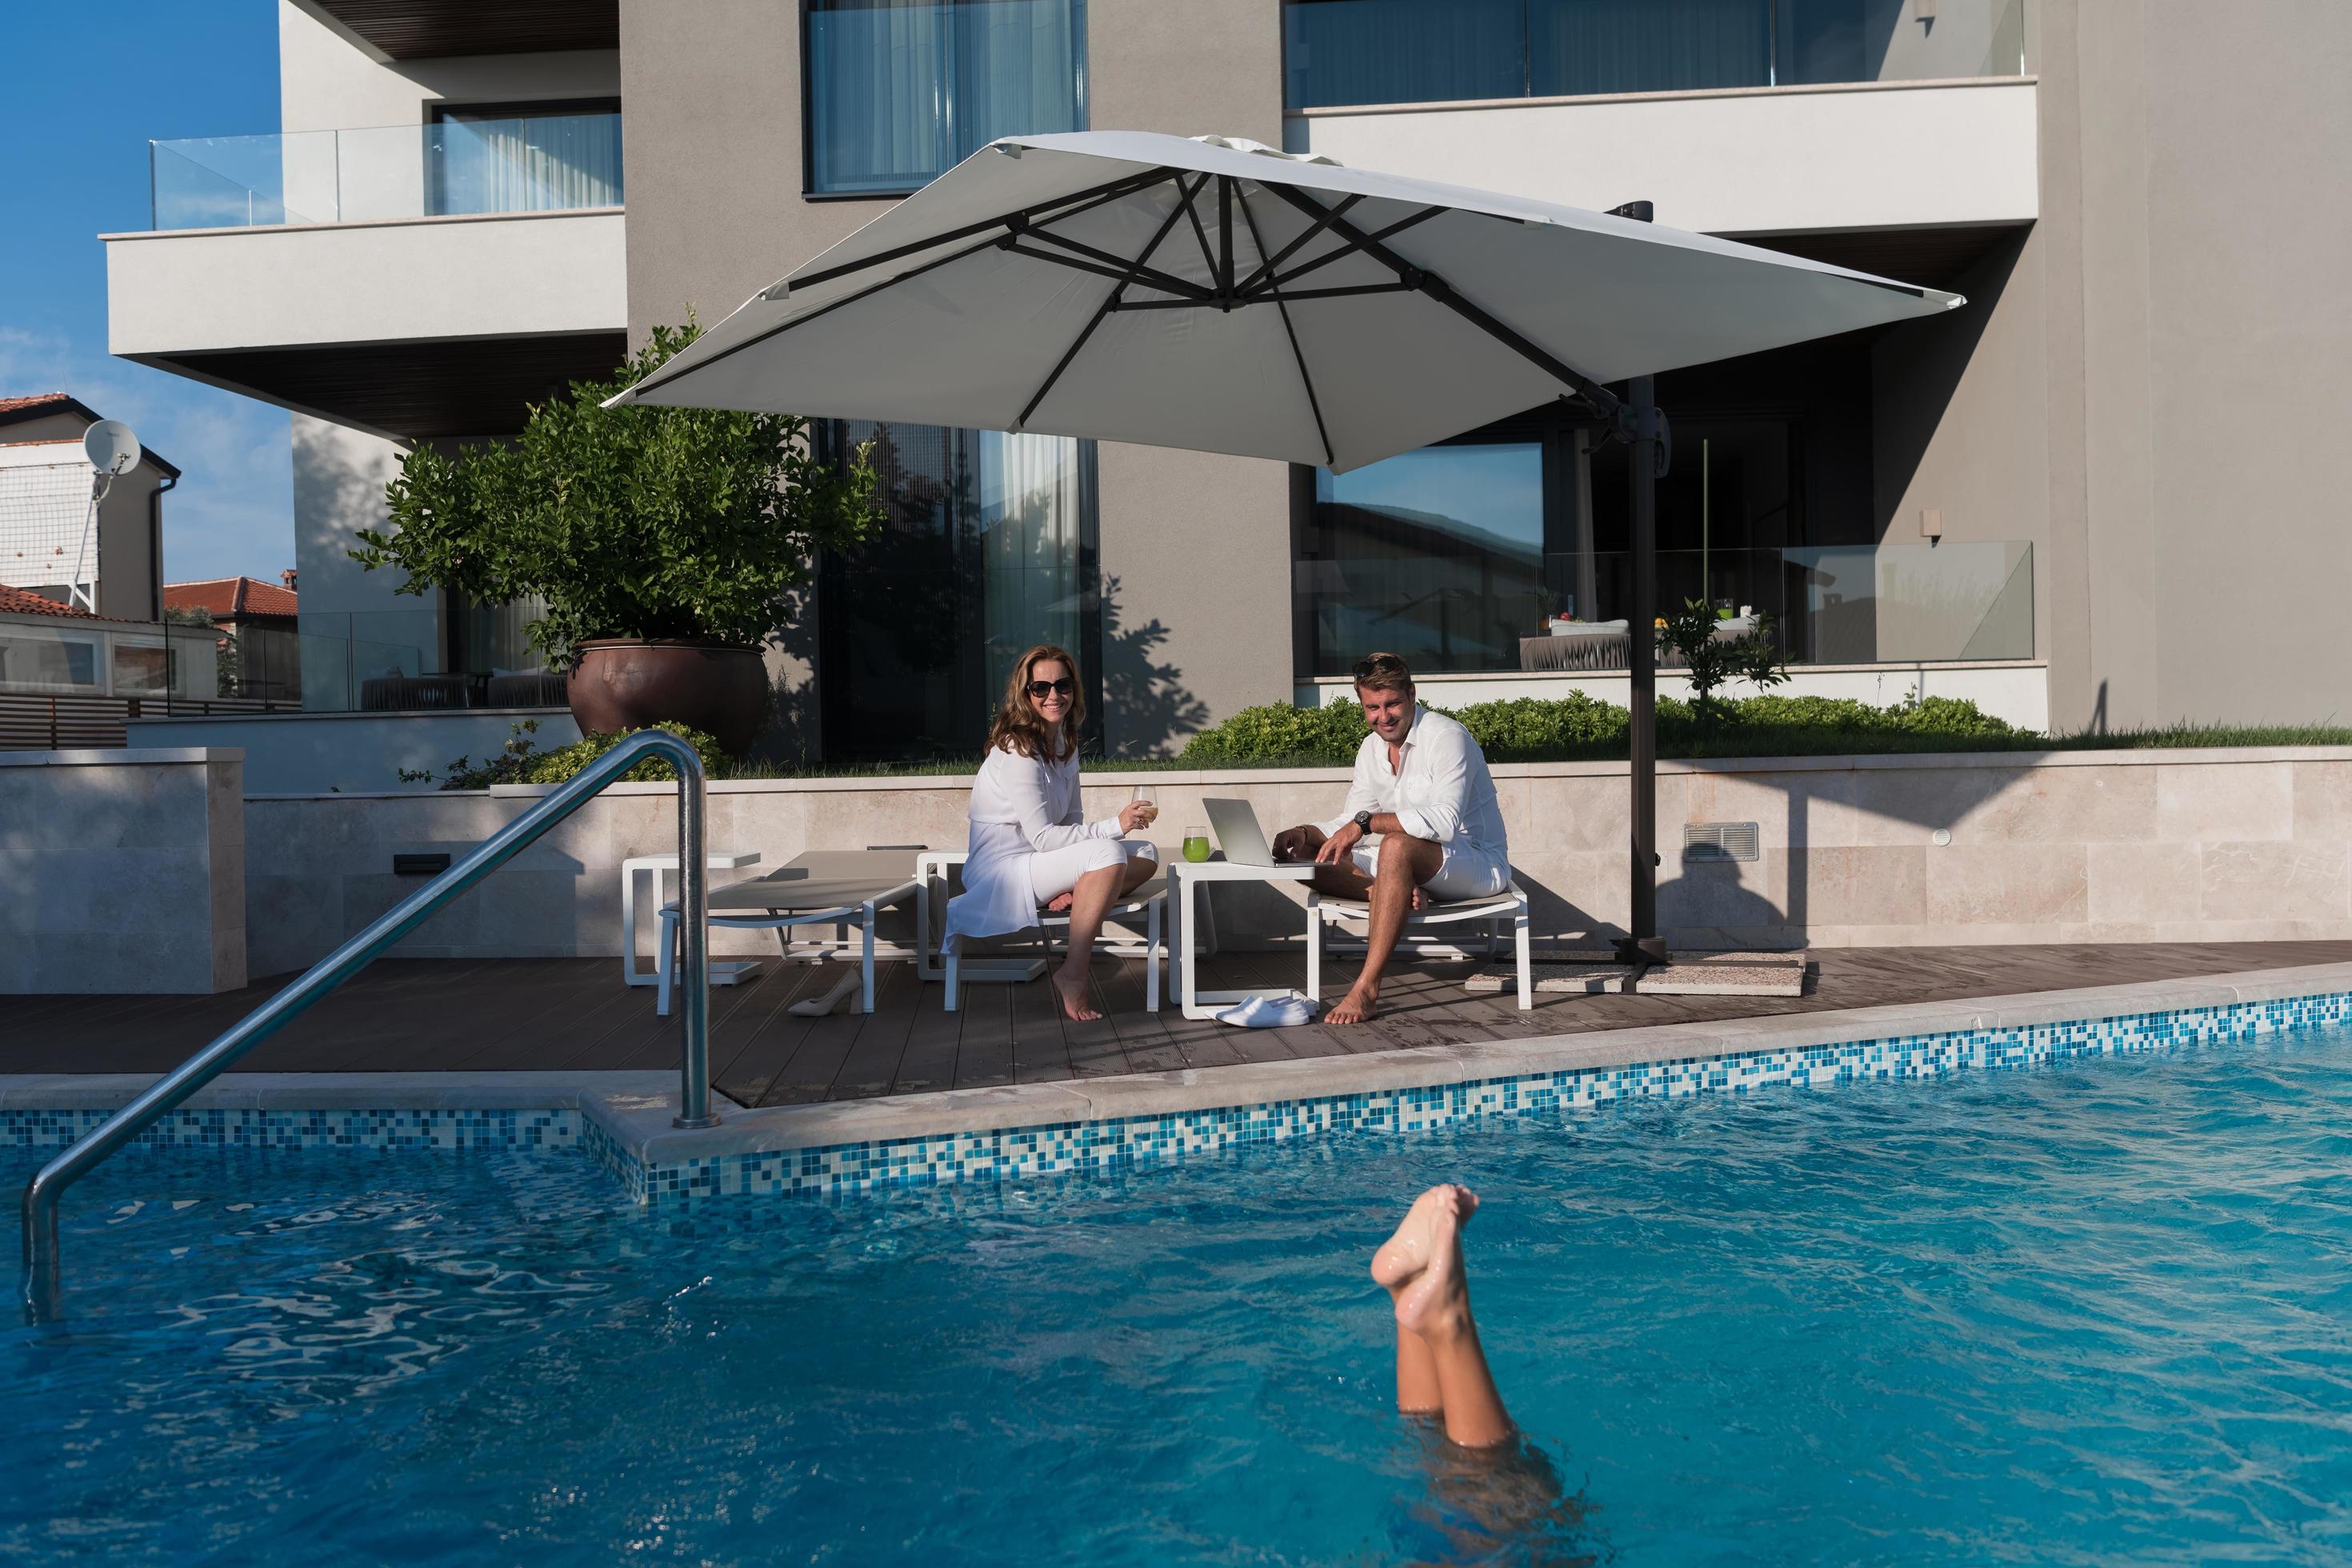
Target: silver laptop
x=1238, y=834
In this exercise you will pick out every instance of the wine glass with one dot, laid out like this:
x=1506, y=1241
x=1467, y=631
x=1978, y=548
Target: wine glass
x=1142, y=795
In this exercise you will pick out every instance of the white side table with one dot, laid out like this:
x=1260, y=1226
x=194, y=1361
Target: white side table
x=724, y=972
x=1188, y=877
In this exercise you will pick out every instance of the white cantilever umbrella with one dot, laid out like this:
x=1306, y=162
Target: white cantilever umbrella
x=1224, y=297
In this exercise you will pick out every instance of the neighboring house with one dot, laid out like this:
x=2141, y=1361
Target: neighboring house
x=2097, y=494
x=45, y=523
x=260, y=648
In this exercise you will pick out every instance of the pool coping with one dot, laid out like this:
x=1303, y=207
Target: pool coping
x=625, y=1116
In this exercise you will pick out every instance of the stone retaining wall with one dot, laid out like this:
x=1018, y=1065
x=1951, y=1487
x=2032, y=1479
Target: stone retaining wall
x=2190, y=845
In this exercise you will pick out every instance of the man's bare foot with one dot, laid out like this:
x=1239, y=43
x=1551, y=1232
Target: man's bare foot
x=1060, y=903
x=1077, y=1004
x=1436, y=1303
x=1360, y=1003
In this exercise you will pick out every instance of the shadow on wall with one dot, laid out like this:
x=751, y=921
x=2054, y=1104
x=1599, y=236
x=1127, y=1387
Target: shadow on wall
x=1774, y=902
x=1147, y=709
x=791, y=736
x=1931, y=357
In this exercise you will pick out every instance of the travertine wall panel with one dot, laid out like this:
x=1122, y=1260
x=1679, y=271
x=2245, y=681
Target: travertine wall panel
x=2211, y=845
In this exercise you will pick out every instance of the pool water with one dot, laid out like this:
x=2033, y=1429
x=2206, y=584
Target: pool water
x=2091, y=1313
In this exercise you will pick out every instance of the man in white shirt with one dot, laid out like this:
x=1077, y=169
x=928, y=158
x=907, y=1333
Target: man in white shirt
x=1421, y=823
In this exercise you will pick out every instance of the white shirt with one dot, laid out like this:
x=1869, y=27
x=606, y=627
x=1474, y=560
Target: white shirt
x=1021, y=807
x=1440, y=790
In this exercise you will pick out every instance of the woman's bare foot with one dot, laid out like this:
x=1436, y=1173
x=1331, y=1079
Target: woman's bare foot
x=1360, y=1003
x=1436, y=1304
x=1077, y=1004
x=1059, y=904
x=1419, y=899
x=1405, y=1254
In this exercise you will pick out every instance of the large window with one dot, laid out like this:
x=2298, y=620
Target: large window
x=1436, y=555
x=1338, y=52
x=987, y=549
x=525, y=157
x=901, y=90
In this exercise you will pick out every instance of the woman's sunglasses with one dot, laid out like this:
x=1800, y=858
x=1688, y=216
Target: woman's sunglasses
x=1041, y=689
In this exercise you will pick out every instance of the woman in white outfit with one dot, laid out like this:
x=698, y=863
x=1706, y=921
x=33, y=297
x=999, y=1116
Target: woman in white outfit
x=1032, y=847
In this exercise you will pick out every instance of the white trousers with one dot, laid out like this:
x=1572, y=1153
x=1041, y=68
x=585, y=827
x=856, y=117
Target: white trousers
x=1053, y=872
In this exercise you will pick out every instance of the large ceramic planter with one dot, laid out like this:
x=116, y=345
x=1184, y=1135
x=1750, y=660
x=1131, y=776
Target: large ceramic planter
x=622, y=683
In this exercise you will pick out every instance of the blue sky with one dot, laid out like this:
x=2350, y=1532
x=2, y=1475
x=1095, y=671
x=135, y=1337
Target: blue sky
x=82, y=89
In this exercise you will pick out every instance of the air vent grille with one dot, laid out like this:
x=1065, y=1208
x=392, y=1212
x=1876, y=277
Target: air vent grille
x=1719, y=841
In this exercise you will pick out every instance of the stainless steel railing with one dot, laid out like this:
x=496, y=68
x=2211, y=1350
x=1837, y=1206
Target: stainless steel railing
x=48, y=1186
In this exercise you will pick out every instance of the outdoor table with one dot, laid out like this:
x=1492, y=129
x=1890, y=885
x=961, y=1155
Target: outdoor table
x=1186, y=877
x=724, y=972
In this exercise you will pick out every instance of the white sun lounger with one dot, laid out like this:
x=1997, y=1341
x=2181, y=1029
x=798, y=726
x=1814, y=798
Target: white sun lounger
x=1148, y=899
x=822, y=886
x=1511, y=904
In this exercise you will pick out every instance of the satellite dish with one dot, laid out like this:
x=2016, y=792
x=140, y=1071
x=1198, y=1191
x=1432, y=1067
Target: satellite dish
x=110, y=447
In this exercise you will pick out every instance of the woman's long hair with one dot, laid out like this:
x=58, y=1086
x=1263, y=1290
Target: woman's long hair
x=1018, y=726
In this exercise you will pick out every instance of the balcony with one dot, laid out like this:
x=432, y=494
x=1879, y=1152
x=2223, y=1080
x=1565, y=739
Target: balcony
x=1737, y=117
x=414, y=281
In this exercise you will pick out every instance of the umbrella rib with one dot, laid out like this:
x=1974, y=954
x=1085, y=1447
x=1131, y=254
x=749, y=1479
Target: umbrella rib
x=1093, y=196
x=1602, y=399
x=1313, y=406
x=667, y=375
x=1208, y=258
x=1265, y=269
x=1110, y=301
x=1166, y=282
x=1192, y=294
x=1328, y=256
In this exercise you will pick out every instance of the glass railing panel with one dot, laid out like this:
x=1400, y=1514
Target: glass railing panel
x=1577, y=47
x=1403, y=51
x=1884, y=603
x=1344, y=52
x=528, y=163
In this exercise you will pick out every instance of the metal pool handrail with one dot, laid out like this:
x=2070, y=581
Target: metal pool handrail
x=42, y=1193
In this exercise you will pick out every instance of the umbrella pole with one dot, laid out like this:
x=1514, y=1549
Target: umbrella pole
x=1641, y=943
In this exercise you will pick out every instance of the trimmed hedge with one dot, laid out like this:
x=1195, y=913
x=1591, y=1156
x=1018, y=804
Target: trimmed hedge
x=1578, y=726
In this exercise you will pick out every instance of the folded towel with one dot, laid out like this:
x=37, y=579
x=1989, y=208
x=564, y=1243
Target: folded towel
x=1270, y=1013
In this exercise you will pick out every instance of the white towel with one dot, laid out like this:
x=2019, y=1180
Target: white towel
x=1270, y=1013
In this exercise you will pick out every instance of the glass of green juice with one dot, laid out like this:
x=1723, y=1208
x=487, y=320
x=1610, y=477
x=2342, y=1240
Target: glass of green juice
x=1196, y=844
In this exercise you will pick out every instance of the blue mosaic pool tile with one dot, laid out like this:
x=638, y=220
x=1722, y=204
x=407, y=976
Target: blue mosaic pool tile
x=247, y=1129
x=1127, y=1143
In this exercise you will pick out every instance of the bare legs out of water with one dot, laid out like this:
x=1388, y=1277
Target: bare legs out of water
x=1441, y=1370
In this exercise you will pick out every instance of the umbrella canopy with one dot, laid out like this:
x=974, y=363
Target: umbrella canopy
x=1220, y=295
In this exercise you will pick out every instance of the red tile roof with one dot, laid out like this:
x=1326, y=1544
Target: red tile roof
x=23, y=601
x=10, y=405
x=229, y=597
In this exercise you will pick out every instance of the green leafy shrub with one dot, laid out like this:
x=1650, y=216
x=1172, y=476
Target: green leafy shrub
x=1278, y=735
x=626, y=523
x=1539, y=728
x=1546, y=727
x=522, y=762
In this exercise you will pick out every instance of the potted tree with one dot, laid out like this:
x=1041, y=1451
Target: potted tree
x=667, y=543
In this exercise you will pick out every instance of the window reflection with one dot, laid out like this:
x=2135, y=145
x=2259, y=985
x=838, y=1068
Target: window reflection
x=986, y=548
x=1436, y=555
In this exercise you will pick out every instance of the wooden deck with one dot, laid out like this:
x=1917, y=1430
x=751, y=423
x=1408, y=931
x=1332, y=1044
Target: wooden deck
x=430, y=1015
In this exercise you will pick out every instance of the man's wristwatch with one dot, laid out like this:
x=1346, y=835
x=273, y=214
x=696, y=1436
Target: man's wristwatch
x=1363, y=820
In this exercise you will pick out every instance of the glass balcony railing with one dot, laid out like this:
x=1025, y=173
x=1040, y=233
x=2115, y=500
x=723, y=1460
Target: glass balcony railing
x=1493, y=609
x=552, y=162
x=1351, y=52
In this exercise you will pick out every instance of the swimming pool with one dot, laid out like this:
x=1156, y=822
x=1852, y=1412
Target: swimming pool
x=2094, y=1312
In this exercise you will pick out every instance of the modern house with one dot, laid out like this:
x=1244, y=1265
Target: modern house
x=2091, y=496
x=259, y=644
x=51, y=541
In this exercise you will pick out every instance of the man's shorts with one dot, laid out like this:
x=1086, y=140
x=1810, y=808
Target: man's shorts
x=1466, y=872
